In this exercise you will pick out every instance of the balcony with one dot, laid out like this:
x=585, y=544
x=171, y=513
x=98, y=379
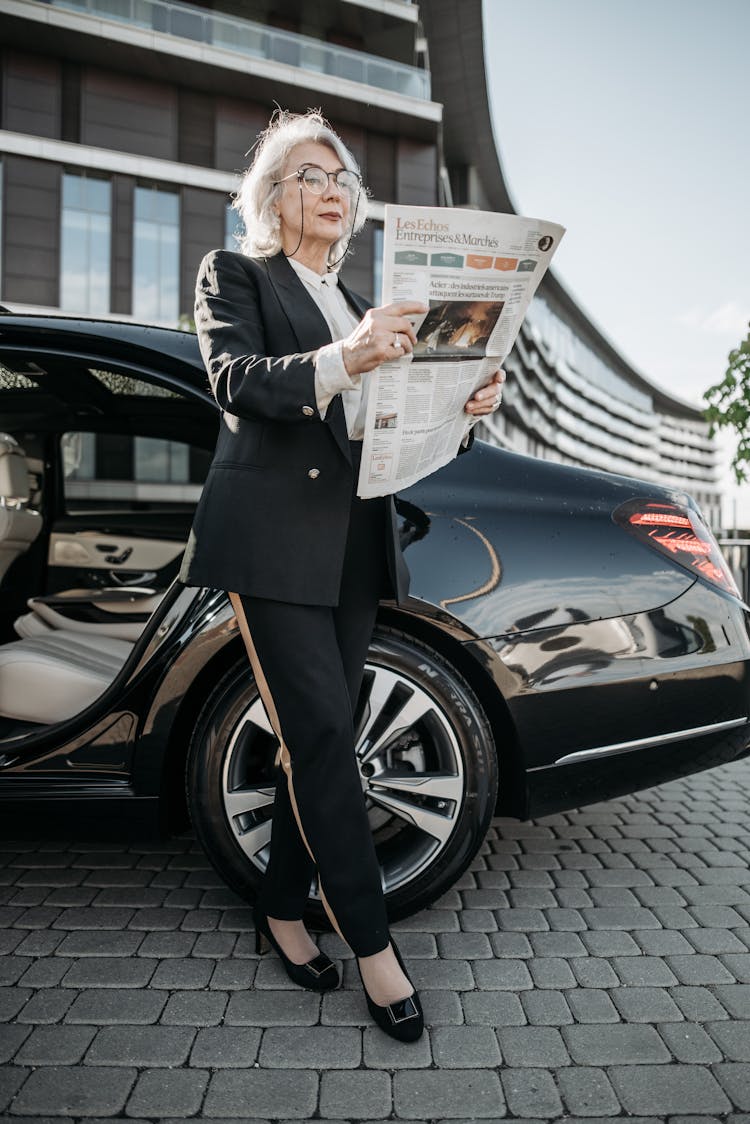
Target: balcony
x=256, y=40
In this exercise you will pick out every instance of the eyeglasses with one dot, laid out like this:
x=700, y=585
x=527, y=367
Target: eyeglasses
x=316, y=179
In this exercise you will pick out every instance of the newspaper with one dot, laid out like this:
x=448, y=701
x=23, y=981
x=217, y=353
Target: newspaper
x=477, y=271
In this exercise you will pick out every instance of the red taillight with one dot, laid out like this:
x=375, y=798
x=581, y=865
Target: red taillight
x=680, y=533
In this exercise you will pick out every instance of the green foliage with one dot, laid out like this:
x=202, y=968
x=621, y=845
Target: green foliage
x=186, y=323
x=729, y=406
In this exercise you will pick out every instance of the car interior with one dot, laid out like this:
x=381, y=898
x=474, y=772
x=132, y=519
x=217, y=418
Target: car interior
x=100, y=471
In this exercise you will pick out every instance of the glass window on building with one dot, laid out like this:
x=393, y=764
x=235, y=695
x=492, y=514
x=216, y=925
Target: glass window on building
x=234, y=228
x=85, y=244
x=377, y=264
x=156, y=256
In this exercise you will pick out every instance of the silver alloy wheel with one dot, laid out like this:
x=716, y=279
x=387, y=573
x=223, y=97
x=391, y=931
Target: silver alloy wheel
x=411, y=769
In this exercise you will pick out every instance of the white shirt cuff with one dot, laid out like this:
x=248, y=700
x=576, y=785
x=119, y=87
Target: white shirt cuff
x=331, y=376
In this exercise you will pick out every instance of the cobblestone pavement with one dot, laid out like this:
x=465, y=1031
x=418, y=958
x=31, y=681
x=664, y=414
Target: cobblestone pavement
x=588, y=965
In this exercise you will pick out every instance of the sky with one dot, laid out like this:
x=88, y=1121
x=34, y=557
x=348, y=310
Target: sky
x=628, y=121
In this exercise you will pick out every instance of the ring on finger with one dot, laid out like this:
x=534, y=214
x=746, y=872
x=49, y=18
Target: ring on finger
x=397, y=342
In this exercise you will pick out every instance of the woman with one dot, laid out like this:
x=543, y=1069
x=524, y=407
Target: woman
x=288, y=350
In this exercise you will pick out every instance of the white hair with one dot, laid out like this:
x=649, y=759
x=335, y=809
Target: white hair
x=260, y=190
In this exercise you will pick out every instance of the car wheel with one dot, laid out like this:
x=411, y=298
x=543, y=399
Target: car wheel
x=426, y=757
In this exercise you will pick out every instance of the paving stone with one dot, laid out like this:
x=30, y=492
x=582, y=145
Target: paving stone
x=625, y=917
x=11, y=1038
x=427, y=975
x=734, y=1079
x=355, y=1094
x=12, y=1000
x=493, y=1008
x=142, y=1046
x=620, y=1044
x=713, y=941
x=47, y=971
x=108, y=971
x=603, y=942
x=531, y=1092
x=551, y=972
x=458, y=1047
x=87, y=942
x=532, y=1046
x=167, y=945
x=512, y=945
x=56, y=1045
x=382, y=1052
x=11, y=1080
x=697, y=969
x=554, y=944
x=689, y=1043
x=424, y=1094
x=521, y=920
x=645, y=1004
x=273, y=1008
x=194, y=1008
x=587, y=1091
x=215, y=945
x=736, y=999
x=738, y=966
x=162, y=1091
x=37, y=943
x=698, y=1004
x=70, y=1092
x=294, y=1047
x=175, y=974
x=441, y=1008
x=668, y=1089
x=116, y=1006
x=589, y=1005
x=732, y=1038
x=567, y=919
x=224, y=1047
x=465, y=946
x=271, y=1092
x=644, y=971
x=594, y=971
x=232, y=975
x=12, y=968
x=511, y=975
x=46, y=1006
x=546, y=1008
x=662, y=942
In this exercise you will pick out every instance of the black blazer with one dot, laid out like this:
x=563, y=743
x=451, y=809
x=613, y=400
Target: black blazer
x=273, y=517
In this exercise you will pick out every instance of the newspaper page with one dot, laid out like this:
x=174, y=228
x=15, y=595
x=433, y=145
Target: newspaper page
x=477, y=271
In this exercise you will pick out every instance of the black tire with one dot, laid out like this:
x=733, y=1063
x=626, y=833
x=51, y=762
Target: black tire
x=449, y=748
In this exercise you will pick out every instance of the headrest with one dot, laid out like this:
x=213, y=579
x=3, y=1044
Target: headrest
x=14, y=475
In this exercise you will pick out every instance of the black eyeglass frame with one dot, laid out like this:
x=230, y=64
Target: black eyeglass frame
x=300, y=175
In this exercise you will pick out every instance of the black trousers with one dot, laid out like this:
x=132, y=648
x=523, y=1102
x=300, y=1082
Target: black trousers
x=308, y=662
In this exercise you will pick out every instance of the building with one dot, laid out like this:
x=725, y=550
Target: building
x=123, y=127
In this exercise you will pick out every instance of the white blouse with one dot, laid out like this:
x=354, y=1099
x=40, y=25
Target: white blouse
x=331, y=376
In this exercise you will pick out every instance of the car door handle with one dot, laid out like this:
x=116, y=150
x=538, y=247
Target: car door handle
x=118, y=559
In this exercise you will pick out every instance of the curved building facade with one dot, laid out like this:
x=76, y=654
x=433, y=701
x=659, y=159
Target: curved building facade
x=123, y=128
x=570, y=395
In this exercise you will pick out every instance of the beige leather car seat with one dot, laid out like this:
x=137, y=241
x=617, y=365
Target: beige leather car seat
x=18, y=526
x=49, y=678
x=115, y=610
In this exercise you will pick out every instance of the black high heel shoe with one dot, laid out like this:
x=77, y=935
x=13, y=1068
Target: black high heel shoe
x=402, y=1019
x=318, y=974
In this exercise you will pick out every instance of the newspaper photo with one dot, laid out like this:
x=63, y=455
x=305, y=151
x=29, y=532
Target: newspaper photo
x=476, y=271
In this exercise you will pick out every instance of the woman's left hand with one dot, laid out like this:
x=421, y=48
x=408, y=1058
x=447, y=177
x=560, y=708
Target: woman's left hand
x=487, y=399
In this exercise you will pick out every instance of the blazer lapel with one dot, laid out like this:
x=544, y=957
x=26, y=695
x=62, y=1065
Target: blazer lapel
x=311, y=331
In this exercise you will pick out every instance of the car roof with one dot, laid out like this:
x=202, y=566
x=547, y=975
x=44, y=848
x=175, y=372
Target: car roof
x=113, y=338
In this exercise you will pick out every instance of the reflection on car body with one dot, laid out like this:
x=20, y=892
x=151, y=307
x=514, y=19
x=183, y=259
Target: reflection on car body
x=572, y=632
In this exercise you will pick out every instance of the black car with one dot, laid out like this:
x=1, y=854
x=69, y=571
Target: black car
x=571, y=635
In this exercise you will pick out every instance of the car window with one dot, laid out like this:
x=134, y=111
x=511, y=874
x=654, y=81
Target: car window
x=123, y=472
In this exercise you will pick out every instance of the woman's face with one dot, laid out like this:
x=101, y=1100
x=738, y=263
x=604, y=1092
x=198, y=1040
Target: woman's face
x=322, y=219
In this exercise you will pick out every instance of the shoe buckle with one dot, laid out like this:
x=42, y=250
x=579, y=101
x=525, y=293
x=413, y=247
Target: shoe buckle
x=402, y=1010
x=323, y=964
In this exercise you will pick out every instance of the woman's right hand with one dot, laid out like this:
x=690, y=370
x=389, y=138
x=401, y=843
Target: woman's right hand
x=377, y=337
